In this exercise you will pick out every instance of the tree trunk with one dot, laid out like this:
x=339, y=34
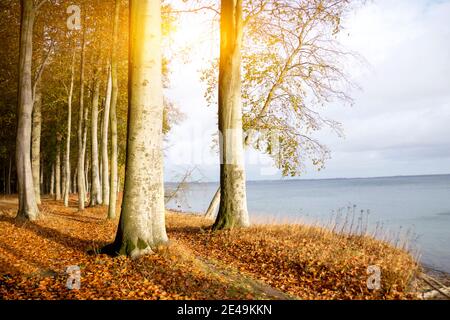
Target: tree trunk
x=113, y=115
x=36, y=141
x=52, y=180
x=86, y=176
x=41, y=181
x=75, y=182
x=95, y=192
x=28, y=208
x=4, y=179
x=212, y=209
x=69, y=132
x=63, y=176
x=142, y=222
x=80, y=166
x=100, y=162
x=58, y=168
x=233, y=201
x=8, y=179
x=105, y=127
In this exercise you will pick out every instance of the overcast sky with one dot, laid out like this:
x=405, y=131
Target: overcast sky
x=399, y=124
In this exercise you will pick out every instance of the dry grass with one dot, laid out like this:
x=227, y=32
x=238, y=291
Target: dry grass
x=306, y=262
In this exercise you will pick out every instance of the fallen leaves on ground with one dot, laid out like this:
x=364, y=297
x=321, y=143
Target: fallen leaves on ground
x=261, y=262
x=303, y=261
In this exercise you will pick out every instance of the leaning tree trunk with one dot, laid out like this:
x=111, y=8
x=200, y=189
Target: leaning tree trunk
x=142, y=225
x=113, y=115
x=233, y=201
x=105, y=162
x=212, y=209
x=58, y=168
x=28, y=208
x=69, y=132
x=80, y=164
x=96, y=196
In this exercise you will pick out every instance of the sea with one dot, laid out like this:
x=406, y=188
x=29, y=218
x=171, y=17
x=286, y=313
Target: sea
x=409, y=211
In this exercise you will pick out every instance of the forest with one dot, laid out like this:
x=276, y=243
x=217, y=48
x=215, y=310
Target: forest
x=84, y=114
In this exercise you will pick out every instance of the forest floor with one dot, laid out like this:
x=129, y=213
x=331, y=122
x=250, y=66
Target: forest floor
x=260, y=262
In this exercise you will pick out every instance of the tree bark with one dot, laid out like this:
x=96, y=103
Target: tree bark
x=4, y=179
x=52, y=180
x=69, y=132
x=41, y=181
x=233, y=200
x=105, y=127
x=87, y=162
x=113, y=115
x=75, y=182
x=142, y=222
x=28, y=208
x=58, y=168
x=80, y=166
x=212, y=209
x=95, y=192
x=8, y=181
x=63, y=175
x=36, y=141
x=37, y=122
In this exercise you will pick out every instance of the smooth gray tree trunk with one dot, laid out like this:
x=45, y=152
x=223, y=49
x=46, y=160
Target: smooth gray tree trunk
x=142, y=219
x=63, y=175
x=52, y=180
x=28, y=208
x=113, y=115
x=81, y=188
x=37, y=123
x=105, y=128
x=69, y=132
x=95, y=191
x=36, y=141
x=87, y=167
x=8, y=181
x=211, y=213
x=58, y=168
x=233, y=200
x=41, y=182
x=75, y=182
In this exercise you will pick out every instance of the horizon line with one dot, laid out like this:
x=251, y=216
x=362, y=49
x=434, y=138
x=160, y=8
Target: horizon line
x=322, y=179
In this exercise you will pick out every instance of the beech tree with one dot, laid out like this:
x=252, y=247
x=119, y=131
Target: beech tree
x=233, y=201
x=64, y=159
x=113, y=114
x=81, y=185
x=104, y=143
x=28, y=208
x=292, y=66
x=69, y=92
x=142, y=225
x=96, y=196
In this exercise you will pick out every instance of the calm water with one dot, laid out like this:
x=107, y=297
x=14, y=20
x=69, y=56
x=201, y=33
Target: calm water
x=420, y=204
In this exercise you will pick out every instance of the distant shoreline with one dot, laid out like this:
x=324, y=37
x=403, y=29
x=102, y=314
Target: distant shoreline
x=325, y=179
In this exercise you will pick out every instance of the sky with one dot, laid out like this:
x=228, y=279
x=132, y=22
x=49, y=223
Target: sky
x=398, y=125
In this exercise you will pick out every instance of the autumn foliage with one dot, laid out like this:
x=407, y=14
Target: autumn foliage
x=260, y=262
